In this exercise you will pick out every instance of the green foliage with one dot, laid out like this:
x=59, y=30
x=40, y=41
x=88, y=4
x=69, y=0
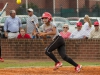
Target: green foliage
x=31, y=5
x=84, y=9
x=96, y=7
x=22, y=9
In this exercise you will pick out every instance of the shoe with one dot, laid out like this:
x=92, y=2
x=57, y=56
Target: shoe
x=78, y=68
x=1, y=59
x=57, y=65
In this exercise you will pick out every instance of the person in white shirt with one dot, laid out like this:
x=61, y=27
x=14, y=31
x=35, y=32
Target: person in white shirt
x=87, y=25
x=79, y=33
x=32, y=22
x=95, y=33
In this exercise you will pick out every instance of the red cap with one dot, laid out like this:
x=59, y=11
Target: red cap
x=96, y=23
x=79, y=24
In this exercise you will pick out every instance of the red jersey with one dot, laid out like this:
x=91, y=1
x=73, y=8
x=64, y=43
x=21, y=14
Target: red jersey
x=26, y=36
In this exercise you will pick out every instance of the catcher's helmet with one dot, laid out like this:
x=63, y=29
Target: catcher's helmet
x=47, y=15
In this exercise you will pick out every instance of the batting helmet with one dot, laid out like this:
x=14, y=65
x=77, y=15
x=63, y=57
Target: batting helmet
x=47, y=15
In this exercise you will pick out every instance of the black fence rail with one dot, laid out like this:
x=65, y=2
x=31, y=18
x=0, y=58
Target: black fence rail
x=65, y=12
x=63, y=8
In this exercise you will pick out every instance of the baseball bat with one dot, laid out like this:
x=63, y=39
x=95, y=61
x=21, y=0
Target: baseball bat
x=3, y=8
x=37, y=29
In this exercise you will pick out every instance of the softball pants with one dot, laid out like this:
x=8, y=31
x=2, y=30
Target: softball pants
x=59, y=44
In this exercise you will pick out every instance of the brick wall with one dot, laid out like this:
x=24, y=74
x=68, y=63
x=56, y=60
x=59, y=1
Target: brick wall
x=34, y=49
x=81, y=3
x=61, y=3
x=73, y=4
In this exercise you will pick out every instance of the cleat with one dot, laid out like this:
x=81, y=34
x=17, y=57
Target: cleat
x=57, y=65
x=1, y=60
x=78, y=68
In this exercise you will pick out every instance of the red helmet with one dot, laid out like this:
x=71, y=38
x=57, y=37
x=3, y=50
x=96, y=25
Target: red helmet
x=47, y=15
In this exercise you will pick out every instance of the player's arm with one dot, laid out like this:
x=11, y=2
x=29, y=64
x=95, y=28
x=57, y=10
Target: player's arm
x=49, y=33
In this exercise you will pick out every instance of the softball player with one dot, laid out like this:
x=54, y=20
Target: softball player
x=58, y=43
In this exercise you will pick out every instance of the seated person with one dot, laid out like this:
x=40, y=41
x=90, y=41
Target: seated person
x=23, y=34
x=95, y=33
x=65, y=34
x=78, y=33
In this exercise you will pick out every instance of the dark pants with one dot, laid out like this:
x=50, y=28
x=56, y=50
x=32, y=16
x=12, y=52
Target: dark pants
x=59, y=44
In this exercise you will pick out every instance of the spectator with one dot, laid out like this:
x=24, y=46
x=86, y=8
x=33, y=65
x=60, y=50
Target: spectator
x=87, y=25
x=32, y=21
x=79, y=33
x=12, y=25
x=23, y=34
x=65, y=34
x=96, y=32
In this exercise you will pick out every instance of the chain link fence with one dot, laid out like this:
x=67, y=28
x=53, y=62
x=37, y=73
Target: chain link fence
x=63, y=8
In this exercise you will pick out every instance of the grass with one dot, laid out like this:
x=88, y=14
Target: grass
x=30, y=63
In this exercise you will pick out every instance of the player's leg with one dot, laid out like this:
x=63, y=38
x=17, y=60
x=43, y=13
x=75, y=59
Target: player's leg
x=54, y=45
x=62, y=52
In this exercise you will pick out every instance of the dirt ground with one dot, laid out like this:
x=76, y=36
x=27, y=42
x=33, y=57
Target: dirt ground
x=93, y=70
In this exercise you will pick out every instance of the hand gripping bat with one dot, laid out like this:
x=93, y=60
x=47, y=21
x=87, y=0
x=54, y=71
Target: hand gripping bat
x=37, y=29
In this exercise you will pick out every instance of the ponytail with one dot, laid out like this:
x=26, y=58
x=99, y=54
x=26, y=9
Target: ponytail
x=88, y=20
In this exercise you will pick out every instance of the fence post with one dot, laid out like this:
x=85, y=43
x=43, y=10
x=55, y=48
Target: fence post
x=61, y=11
x=98, y=12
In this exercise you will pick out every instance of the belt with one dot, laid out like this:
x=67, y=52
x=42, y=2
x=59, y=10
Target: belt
x=11, y=32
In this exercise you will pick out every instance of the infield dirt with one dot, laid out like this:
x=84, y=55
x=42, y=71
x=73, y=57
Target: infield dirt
x=86, y=70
